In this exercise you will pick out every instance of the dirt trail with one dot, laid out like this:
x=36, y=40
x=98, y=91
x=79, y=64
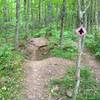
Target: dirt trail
x=39, y=74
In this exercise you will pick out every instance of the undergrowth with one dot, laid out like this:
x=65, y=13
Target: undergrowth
x=69, y=46
x=10, y=72
x=68, y=49
x=89, y=89
x=93, y=43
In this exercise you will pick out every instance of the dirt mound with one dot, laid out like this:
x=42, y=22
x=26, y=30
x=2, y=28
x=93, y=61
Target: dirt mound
x=37, y=48
x=38, y=42
x=39, y=74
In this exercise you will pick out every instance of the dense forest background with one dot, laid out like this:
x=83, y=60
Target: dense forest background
x=56, y=20
x=27, y=16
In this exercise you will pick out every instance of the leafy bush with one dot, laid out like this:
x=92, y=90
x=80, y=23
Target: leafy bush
x=93, y=43
x=70, y=53
x=89, y=89
x=10, y=73
x=69, y=49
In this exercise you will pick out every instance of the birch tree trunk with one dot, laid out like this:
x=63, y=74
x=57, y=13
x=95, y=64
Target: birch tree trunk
x=81, y=44
x=78, y=71
x=80, y=52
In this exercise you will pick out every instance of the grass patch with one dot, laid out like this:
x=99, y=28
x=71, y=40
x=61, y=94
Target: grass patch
x=70, y=53
x=89, y=89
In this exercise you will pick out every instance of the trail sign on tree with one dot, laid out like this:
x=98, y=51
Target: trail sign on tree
x=81, y=31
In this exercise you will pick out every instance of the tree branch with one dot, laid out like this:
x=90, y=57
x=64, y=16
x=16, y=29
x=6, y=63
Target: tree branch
x=86, y=9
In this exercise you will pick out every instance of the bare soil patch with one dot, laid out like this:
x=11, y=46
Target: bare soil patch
x=39, y=74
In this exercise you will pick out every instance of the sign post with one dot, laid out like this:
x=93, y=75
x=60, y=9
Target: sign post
x=81, y=31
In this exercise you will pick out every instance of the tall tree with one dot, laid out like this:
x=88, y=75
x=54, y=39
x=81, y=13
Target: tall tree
x=28, y=17
x=57, y=14
x=96, y=17
x=32, y=15
x=80, y=52
x=40, y=11
x=63, y=14
x=17, y=23
x=45, y=19
x=5, y=13
x=24, y=14
x=85, y=22
x=50, y=10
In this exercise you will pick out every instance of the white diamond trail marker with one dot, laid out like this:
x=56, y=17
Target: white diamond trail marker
x=81, y=31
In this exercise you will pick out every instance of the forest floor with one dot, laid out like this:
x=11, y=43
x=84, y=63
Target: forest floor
x=39, y=73
x=90, y=60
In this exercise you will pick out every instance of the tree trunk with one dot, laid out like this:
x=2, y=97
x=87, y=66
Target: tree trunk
x=50, y=7
x=32, y=15
x=45, y=19
x=5, y=13
x=96, y=19
x=81, y=44
x=17, y=24
x=27, y=17
x=57, y=15
x=78, y=66
x=85, y=22
x=63, y=14
x=39, y=12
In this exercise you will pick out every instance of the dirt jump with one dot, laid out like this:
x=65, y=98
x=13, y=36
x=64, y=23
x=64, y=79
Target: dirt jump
x=40, y=70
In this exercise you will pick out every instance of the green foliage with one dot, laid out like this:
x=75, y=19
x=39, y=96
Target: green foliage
x=89, y=89
x=93, y=44
x=69, y=48
x=39, y=33
x=10, y=73
x=10, y=60
x=70, y=53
